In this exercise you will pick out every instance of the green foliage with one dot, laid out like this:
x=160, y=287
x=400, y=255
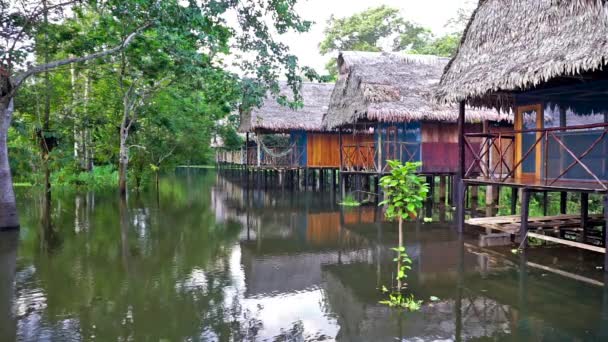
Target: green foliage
x=349, y=201
x=396, y=297
x=404, y=190
x=173, y=80
x=364, y=31
x=384, y=29
x=442, y=46
x=102, y=177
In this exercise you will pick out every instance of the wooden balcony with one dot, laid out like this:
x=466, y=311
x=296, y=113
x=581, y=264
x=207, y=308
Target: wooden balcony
x=367, y=158
x=559, y=158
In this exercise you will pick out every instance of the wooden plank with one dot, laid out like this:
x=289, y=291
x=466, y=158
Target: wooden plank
x=567, y=242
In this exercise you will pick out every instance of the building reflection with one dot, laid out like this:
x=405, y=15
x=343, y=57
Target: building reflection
x=341, y=257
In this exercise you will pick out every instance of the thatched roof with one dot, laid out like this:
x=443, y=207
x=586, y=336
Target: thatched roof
x=274, y=117
x=391, y=87
x=512, y=45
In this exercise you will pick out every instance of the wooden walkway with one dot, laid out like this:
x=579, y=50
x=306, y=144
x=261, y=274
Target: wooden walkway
x=548, y=228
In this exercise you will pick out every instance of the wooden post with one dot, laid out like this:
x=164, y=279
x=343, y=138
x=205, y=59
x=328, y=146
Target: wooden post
x=474, y=196
x=563, y=202
x=461, y=165
x=247, y=148
x=342, y=185
x=514, y=192
x=259, y=149
x=605, y=231
x=525, y=207
x=584, y=215
x=322, y=178
x=305, y=178
x=545, y=203
x=333, y=179
x=461, y=154
x=442, y=189
x=379, y=148
x=340, y=148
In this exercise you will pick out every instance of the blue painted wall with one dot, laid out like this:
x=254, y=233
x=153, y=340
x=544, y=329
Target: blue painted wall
x=301, y=140
x=585, y=104
x=406, y=132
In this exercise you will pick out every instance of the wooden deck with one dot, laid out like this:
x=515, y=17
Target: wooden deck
x=541, y=185
x=561, y=229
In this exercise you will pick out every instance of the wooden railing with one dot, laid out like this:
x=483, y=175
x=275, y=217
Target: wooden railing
x=230, y=157
x=291, y=159
x=364, y=157
x=571, y=154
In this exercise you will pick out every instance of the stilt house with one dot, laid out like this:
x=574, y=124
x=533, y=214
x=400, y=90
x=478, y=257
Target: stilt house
x=384, y=104
x=546, y=61
x=307, y=144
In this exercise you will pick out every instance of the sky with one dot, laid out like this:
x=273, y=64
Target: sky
x=433, y=14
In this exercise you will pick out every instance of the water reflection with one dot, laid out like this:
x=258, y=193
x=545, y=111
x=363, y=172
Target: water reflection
x=207, y=259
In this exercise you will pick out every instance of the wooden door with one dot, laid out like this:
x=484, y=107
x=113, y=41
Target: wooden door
x=528, y=118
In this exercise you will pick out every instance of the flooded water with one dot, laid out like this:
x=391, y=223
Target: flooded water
x=207, y=260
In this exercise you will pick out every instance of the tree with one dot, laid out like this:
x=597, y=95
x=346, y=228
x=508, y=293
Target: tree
x=375, y=29
x=21, y=23
x=190, y=35
x=405, y=193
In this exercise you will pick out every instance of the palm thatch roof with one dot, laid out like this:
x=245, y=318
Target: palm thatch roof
x=274, y=117
x=513, y=45
x=391, y=87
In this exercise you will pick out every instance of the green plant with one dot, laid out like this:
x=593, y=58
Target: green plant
x=404, y=193
x=349, y=201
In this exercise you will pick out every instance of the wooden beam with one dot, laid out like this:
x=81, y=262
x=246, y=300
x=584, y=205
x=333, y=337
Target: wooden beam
x=567, y=242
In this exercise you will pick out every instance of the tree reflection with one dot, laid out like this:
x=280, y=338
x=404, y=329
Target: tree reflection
x=156, y=276
x=8, y=257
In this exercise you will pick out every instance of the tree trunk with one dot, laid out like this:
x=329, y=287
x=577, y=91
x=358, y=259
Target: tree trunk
x=8, y=206
x=400, y=253
x=123, y=159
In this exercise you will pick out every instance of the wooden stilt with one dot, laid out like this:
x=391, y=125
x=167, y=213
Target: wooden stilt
x=514, y=192
x=431, y=183
x=525, y=207
x=605, y=231
x=460, y=207
x=545, y=203
x=563, y=203
x=584, y=215
x=342, y=185
x=474, y=195
x=333, y=179
x=442, y=189
x=321, y=179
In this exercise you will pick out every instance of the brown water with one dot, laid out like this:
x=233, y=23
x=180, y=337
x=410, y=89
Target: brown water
x=207, y=260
